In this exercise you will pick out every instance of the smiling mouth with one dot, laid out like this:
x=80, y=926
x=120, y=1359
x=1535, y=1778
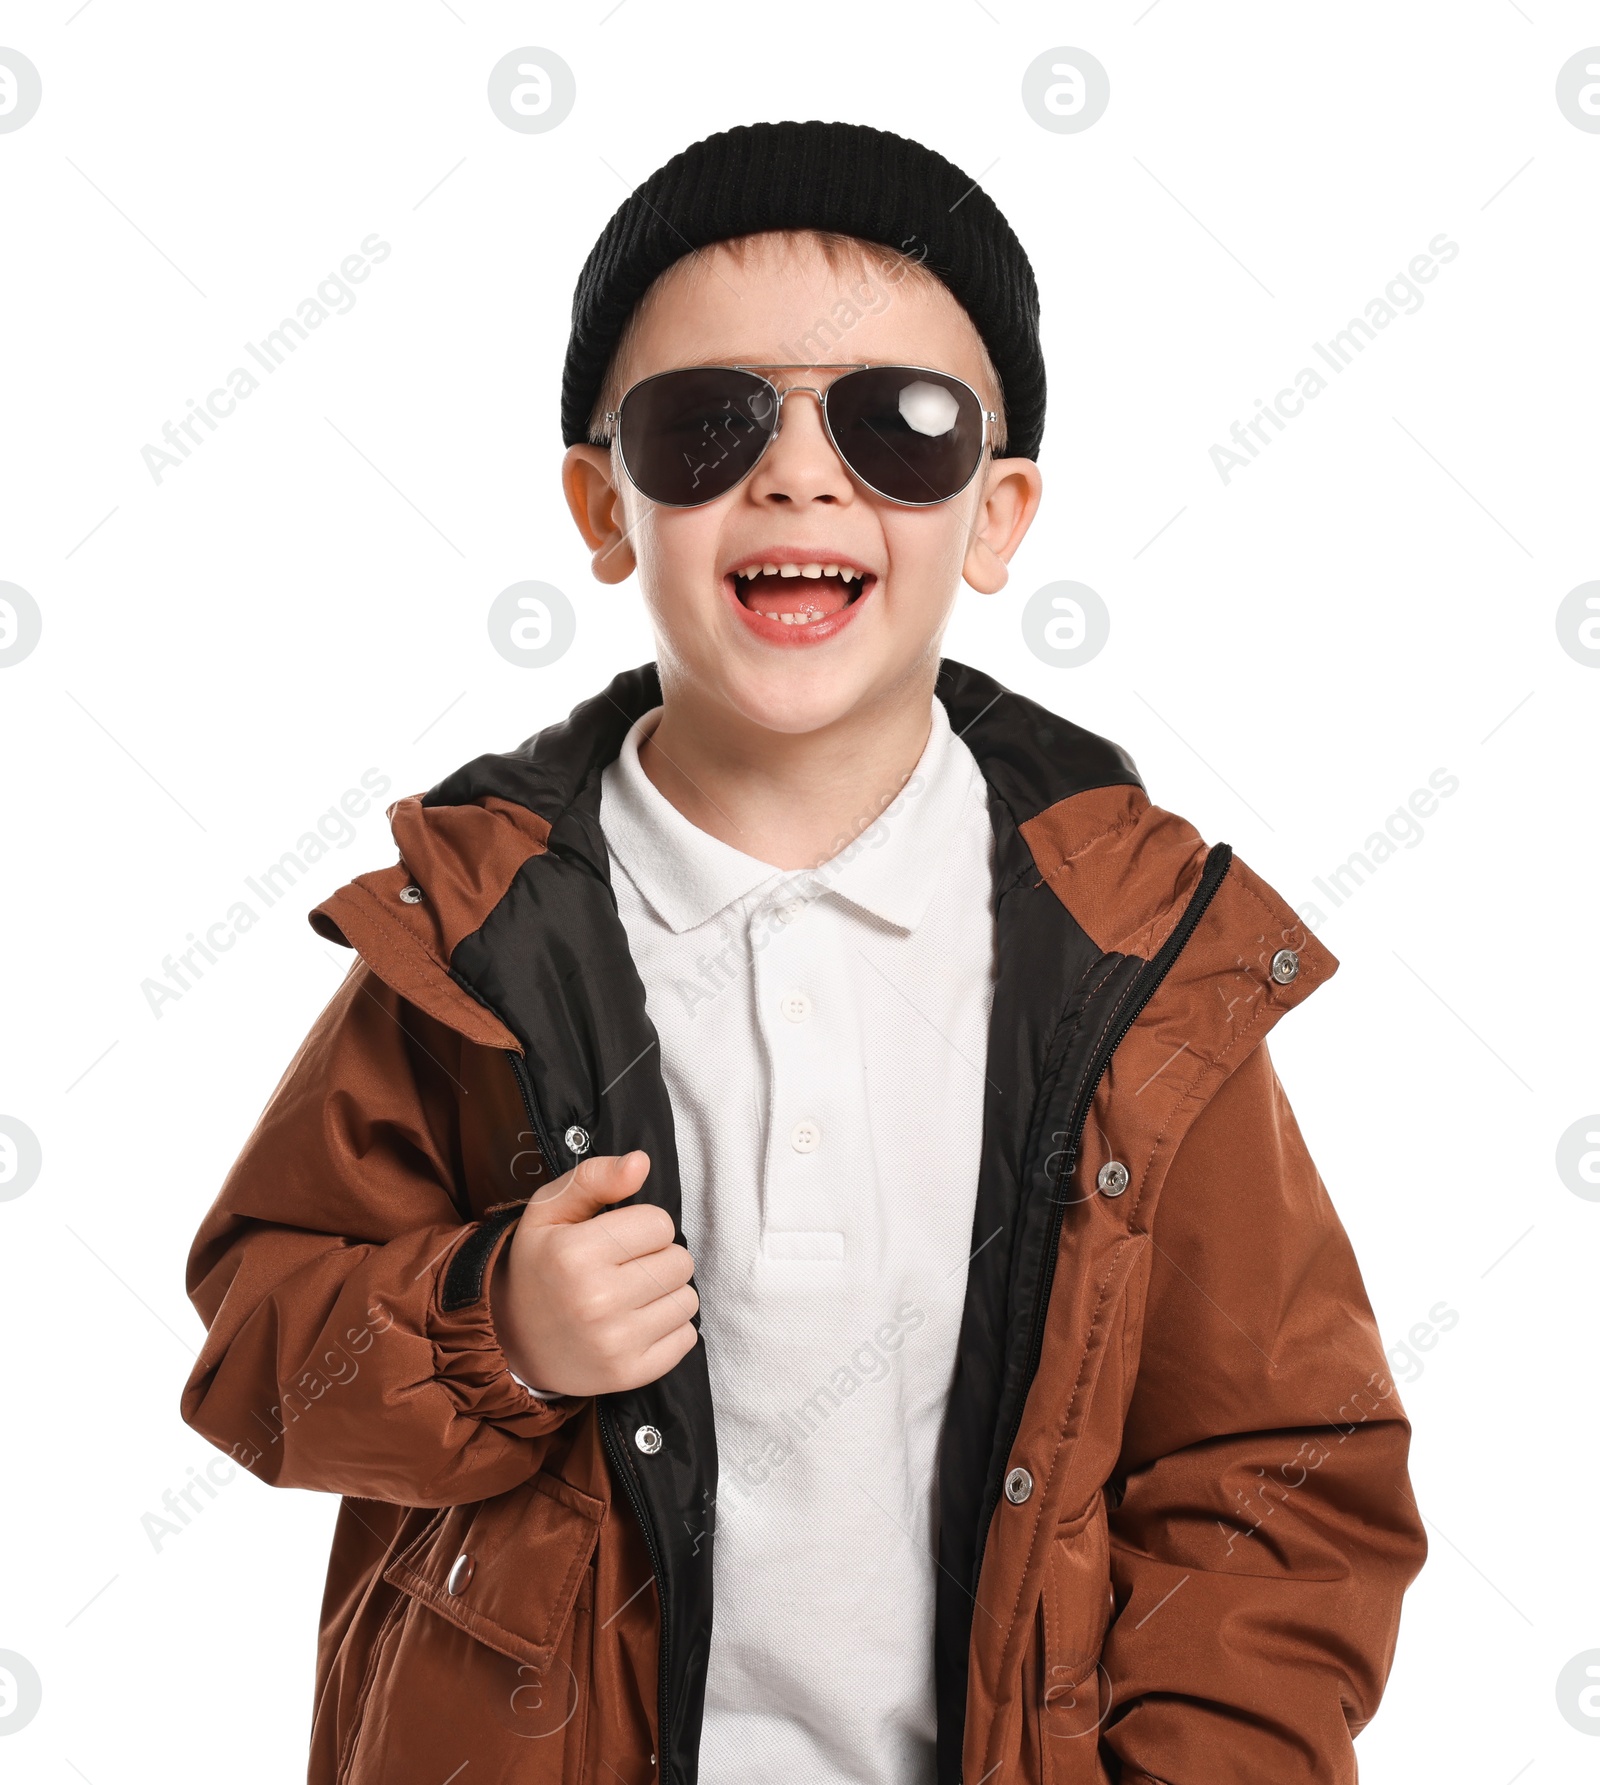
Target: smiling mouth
x=800, y=594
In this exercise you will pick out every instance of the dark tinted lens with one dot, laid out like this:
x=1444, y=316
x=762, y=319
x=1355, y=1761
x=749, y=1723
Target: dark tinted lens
x=688, y=436
x=913, y=436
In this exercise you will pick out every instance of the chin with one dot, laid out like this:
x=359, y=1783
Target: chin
x=806, y=692
x=795, y=698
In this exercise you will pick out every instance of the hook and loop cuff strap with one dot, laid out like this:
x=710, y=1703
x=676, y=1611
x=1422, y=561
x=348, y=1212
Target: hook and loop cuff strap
x=464, y=1276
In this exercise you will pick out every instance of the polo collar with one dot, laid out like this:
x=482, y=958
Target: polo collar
x=889, y=871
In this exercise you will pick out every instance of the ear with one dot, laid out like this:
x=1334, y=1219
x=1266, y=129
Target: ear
x=590, y=486
x=1012, y=492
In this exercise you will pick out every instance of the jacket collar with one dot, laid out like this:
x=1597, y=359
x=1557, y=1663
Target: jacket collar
x=1052, y=788
x=1030, y=757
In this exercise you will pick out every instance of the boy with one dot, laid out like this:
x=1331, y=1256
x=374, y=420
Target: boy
x=1035, y=1425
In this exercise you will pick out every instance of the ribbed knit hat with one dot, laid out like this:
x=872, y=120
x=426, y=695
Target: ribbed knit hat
x=850, y=178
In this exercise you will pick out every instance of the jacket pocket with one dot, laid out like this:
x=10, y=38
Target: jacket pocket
x=488, y=1659
x=1074, y=1612
x=506, y=1571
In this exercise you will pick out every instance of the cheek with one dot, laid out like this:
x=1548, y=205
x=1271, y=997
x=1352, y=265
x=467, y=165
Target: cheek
x=927, y=549
x=677, y=552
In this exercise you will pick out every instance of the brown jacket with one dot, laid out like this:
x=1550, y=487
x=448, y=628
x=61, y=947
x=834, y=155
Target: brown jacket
x=1174, y=1518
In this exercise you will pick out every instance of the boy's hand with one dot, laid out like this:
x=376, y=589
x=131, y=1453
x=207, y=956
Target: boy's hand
x=588, y=1299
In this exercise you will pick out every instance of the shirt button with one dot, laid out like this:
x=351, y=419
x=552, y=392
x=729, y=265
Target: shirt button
x=805, y=1137
x=796, y=1006
x=789, y=910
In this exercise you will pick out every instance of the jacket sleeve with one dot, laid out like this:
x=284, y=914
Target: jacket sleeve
x=350, y=1346
x=1266, y=1529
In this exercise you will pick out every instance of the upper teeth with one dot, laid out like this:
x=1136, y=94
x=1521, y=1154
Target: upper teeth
x=813, y=570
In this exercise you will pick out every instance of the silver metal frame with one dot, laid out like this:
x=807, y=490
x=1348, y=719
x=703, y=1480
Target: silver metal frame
x=613, y=419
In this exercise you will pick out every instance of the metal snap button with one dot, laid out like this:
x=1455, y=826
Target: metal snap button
x=460, y=1575
x=577, y=1139
x=805, y=1137
x=410, y=895
x=1285, y=965
x=1019, y=1484
x=648, y=1440
x=1112, y=1178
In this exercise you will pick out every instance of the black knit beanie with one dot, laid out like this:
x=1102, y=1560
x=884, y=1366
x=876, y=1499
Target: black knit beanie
x=849, y=178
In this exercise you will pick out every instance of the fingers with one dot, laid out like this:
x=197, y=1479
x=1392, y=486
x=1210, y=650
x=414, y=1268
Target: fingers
x=591, y=1185
x=664, y=1354
x=636, y=1330
x=628, y=1281
x=593, y=1297
x=616, y=1235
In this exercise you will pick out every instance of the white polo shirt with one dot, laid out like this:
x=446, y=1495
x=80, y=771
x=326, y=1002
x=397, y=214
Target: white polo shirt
x=823, y=1038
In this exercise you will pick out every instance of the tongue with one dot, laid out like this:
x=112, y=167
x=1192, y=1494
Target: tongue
x=823, y=595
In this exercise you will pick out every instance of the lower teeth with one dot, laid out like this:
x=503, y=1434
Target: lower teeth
x=810, y=614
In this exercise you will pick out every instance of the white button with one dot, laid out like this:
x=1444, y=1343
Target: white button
x=796, y=1006
x=789, y=910
x=805, y=1137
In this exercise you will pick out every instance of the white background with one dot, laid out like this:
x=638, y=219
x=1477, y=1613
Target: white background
x=226, y=652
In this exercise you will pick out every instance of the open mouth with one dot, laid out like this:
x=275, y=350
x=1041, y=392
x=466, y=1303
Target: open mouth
x=799, y=594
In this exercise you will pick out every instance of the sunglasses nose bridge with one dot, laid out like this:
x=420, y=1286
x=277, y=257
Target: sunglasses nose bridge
x=792, y=390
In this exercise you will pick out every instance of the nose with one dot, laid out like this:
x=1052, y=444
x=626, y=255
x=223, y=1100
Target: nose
x=801, y=465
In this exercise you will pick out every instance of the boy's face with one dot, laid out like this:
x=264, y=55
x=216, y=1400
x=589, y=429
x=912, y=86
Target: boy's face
x=800, y=500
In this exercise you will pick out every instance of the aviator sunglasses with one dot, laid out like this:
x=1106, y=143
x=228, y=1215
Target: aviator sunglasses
x=909, y=433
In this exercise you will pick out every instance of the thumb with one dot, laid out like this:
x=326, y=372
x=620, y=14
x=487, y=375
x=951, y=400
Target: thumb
x=591, y=1185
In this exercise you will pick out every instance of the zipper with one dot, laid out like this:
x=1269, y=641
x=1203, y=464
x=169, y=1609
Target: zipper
x=622, y=1471
x=615, y=1455
x=530, y=1102
x=1145, y=985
